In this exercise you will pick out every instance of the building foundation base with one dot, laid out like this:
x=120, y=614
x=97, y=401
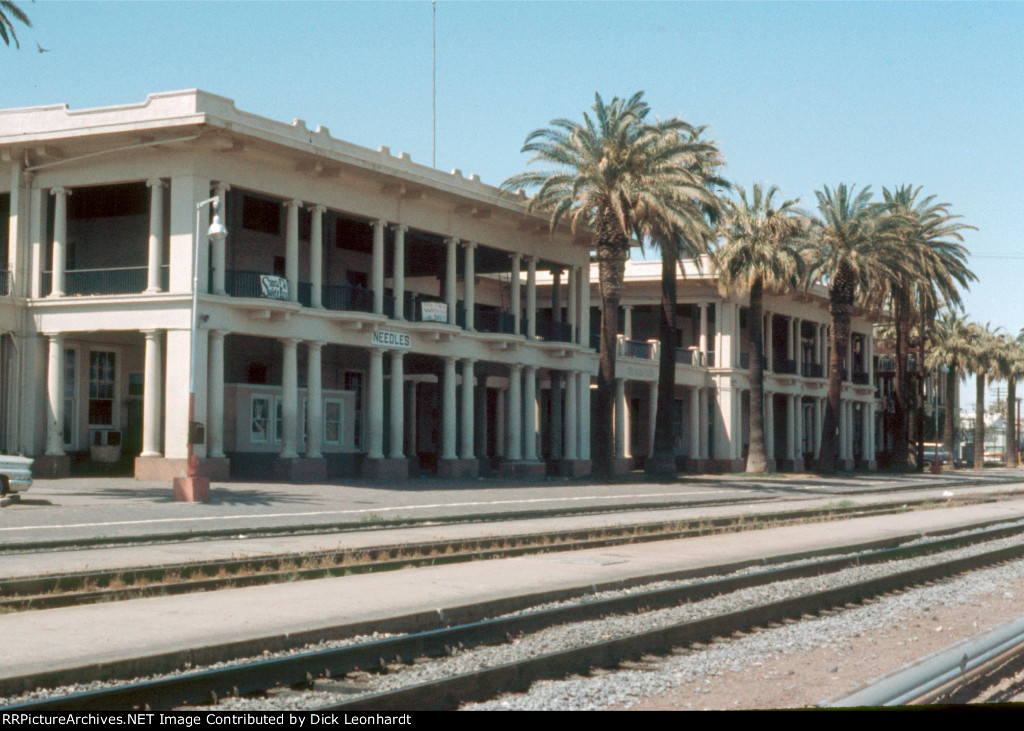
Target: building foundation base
x=622, y=465
x=301, y=470
x=386, y=470
x=574, y=467
x=721, y=466
x=454, y=469
x=191, y=489
x=792, y=465
x=51, y=466
x=847, y=465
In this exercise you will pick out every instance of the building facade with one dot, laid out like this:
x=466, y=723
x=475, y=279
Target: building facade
x=712, y=384
x=365, y=315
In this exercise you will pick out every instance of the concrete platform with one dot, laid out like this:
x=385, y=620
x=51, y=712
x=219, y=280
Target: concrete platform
x=48, y=641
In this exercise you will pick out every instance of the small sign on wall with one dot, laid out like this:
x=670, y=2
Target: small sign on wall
x=433, y=312
x=390, y=339
x=273, y=287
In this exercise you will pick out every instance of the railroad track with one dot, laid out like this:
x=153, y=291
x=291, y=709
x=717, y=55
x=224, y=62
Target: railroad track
x=61, y=590
x=350, y=670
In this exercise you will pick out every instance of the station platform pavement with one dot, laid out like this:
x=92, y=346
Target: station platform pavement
x=161, y=633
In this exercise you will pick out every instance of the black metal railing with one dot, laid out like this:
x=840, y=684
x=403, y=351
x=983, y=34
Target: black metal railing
x=861, y=378
x=745, y=360
x=306, y=294
x=524, y=326
x=637, y=349
x=460, y=315
x=711, y=359
x=114, y=280
x=495, y=321
x=239, y=283
x=5, y=281
x=389, y=305
x=346, y=298
x=685, y=356
x=595, y=341
x=785, y=366
x=560, y=332
x=844, y=375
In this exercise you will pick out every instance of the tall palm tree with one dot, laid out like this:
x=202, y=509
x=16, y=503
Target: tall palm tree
x=9, y=10
x=681, y=228
x=951, y=344
x=935, y=270
x=603, y=168
x=760, y=252
x=983, y=365
x=850, y=251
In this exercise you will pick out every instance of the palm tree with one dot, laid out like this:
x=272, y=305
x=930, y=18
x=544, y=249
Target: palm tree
x=8, y=8
x=951, y=345
x=935, y=271
x=760, y=251
x=604, y=168
x=683, y=229
x=983, y=365
x=849, y=251
x=1009, y=365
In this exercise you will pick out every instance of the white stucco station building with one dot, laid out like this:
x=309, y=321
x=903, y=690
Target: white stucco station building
x=365, y=315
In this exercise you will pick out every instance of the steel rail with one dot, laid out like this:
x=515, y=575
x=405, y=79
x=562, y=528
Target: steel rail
x=61, y=590
x=200, y=687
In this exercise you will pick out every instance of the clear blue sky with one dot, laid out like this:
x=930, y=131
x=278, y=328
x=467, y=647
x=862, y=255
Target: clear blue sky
x=797, y=94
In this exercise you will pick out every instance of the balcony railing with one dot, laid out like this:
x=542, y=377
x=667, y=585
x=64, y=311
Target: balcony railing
x=861, y=378
x=785, y=366
x=559, y=332
x=745, y=361
x=637, y=349
x=346, y=298
x=113, y=280
x=595, y=341
x=495, y=321
x=711, y=359
x=5, y=281
x=812, y=370
x=685, y=356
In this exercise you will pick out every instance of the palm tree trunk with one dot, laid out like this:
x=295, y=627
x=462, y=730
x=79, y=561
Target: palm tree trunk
x=757, y=456
x=662, y=464
x=612, y=251
x=841, y=310
x=949, y=427
x=979, y=421
x=1011, y=426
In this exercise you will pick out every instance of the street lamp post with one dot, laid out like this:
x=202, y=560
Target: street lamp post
x=193, y=487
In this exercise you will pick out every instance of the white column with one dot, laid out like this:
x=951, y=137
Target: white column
x=584, y=283
x=60, y=242
x=571, y=295
x=516, y=287
x=866, y=431
x=314, y=399
x=451, y=272
x=397, y=406
x=215, y=390
x=377, y=268
x=151, y=392
x=219, y=248
x=620, y=418
x=790, y=426
x=374, y=406
x=289, y=398
x=703, y=340
x=769, y=425
x=584, y=422
x=627, y=322
x=531, y=297
x=467, y=407
x=572, y=388
x=694, y=423
x=55, y=397
x=398, y=275
x=156, y=235
x=705, y=431
x=316, y=256
x=798, y=426
x=530, y=414
x=871, y=431
x=469, y=284
x=798, y=351
x=448, y=410
x=291, y=249
x=842, y=430
x=515, y=413
x=652, y=411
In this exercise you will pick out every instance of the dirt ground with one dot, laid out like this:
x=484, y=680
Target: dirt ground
x=813, y=678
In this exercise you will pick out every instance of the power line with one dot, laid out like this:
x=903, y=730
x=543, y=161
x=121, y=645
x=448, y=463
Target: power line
x=433, y=94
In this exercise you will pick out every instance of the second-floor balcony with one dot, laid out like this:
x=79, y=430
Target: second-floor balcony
x=559, y=332
x=812, y=370
x=785, y=366
x=861, y=378
x=112, y=280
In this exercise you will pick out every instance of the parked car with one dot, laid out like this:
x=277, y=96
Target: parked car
x=930, y=453
x=15, y=474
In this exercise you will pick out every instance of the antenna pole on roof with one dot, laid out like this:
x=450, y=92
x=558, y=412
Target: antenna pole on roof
x=433, y=112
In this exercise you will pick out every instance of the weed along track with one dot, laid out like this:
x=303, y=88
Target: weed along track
x=48, y=591
x=455, y=662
